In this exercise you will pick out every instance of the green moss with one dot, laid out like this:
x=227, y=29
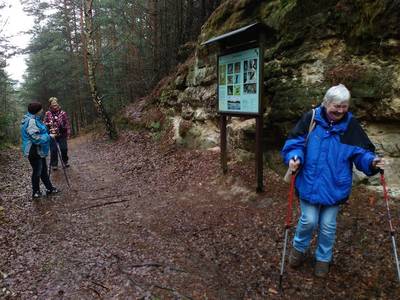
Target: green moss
x=168, y=95
x=277, y=13
x=124, y=123
x=160, y=131
x=370, y=80
x=290, y=97
x=366, y=23
x=220, y=15
x=6, y=145
x=367, y=17
x=155, y=126
x=272, y=69
x=374, y=84
x=267, y=8
x=230, y=16
x=243, y=4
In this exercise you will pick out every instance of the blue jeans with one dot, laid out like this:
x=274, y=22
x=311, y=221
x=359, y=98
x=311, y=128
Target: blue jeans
x=315, y=217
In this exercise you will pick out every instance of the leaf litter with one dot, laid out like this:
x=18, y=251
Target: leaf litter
x=145, y=220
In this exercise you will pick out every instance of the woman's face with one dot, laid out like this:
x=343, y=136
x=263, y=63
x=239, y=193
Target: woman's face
x=336, y=111
x=54, y=107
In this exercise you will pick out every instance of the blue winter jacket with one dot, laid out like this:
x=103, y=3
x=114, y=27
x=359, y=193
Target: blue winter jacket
x=33, y=131
x=325, y=176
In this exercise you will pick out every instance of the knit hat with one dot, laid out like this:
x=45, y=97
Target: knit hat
x=34, y=107
x=53, y=101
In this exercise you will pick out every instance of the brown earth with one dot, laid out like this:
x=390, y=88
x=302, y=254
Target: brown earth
x=143, y=221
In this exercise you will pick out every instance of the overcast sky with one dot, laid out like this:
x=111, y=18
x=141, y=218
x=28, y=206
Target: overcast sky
x=18, y=22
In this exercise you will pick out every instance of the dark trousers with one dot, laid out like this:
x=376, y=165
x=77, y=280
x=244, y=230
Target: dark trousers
x=62, y=143
x=39, y=170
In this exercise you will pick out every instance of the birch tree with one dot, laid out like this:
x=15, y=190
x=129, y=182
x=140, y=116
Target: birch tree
x=91, y=67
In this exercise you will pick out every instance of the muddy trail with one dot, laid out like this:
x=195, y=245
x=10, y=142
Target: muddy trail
x=150, y=221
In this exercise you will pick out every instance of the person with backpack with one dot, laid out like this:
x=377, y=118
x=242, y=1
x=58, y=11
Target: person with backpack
x=58, y=124
x=322, y=148
x=35, y=146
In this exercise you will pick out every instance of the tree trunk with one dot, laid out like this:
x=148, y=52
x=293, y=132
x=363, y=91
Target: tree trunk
x=84, y=42
x=154, y=16
x=97, y=100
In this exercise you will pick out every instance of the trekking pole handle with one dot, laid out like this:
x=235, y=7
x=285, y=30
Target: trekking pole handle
x=294, y=159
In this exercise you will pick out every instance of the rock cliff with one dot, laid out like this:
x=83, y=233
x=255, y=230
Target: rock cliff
x=313, y=44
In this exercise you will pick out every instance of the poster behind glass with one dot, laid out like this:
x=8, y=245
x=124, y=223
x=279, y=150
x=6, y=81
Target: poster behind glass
x=238, y=84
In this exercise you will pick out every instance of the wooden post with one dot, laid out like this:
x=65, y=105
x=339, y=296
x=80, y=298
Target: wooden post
x=259, y=153
x=223, y=146
x=260, y=117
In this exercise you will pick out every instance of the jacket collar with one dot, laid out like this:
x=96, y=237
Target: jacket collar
x=322, y=119
x=31, y=116
x=55, y=111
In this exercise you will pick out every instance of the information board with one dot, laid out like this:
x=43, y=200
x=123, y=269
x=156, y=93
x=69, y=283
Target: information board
x=238, y=82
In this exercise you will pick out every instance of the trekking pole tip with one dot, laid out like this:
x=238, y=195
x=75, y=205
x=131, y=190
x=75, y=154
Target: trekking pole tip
x=280, y=287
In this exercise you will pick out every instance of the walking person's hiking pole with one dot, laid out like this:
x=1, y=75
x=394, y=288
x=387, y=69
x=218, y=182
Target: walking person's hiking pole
x=287, y=225
x=62, y=163
x=63, y=166
x=386, y=197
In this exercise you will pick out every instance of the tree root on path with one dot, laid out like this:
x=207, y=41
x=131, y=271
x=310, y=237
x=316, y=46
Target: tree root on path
x=172, y=291
x=101, y=205
x=95, y=292
x=101, y=285
x=157, y=265
x=130, y=193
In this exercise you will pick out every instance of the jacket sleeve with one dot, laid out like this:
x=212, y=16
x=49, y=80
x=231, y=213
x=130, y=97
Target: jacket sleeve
x=47, y=118
x=67, y=125
x=35, y=135
x=295, y=143
x=363, y=161
x=364, y=150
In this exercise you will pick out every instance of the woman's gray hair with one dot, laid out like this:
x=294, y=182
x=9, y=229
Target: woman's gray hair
x=336, y=94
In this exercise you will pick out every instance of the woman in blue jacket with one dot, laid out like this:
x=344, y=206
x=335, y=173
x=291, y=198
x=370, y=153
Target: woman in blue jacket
x=35, y=146
x=324, y=159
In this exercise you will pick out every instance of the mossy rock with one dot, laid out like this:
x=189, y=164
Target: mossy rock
x=289, y=103
x=168, y=96
x=376, y=83
x=180, y=82
x=272, y=69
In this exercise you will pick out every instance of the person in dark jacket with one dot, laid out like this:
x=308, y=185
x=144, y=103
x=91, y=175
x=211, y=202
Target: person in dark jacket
x=57, y=121
x=35, y=146
x=323, y=159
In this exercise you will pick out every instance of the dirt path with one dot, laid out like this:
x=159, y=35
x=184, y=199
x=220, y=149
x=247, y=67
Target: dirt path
x=144, y=222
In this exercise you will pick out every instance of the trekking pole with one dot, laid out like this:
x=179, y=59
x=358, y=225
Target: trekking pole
x=49, y=169
x=287, y=225
x=62, y=164
x=63, y=167
x=386, y=197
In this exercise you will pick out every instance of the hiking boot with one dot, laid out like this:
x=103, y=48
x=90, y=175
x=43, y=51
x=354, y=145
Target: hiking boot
x=36, y=195
x=296, y=258
x=321, y=269
x=52, y=191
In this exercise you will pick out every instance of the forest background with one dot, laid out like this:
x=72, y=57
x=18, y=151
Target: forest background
x=135, y=44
